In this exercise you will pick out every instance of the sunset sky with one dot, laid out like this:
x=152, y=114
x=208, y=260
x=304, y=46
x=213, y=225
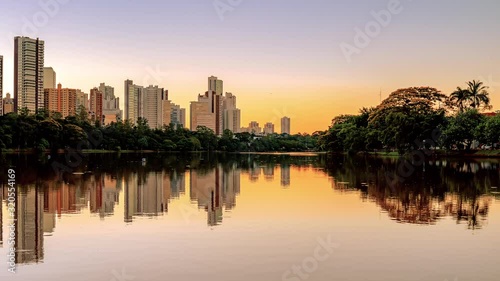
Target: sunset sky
x=279, y=57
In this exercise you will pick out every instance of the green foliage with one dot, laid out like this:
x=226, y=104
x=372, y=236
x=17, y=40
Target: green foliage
x=462, y=129
x=400, y=123
x=415, y=117
x=491, y=130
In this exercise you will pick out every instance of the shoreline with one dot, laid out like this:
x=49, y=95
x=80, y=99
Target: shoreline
x=492, y=154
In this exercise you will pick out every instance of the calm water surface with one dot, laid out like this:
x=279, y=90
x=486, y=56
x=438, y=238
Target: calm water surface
x=252, y=217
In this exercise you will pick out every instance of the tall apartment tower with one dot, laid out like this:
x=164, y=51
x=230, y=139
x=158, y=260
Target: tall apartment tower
x=232, y=115
x=285, y=125
x=132, y=95
x=201, y=113
x=82, y=99
x=110, y=104
x=1, y=85
x=95, y=102
x=215, y=91
x=28, y=73
x=49, y=78
x=269, y=128
x=62, y=100
x=178, y=115
x=216, y=85
x=153, y=106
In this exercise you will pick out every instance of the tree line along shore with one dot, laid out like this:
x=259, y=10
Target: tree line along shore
x=417, y=118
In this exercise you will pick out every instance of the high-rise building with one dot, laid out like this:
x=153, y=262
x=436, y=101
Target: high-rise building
x=208, y=111
x=201, y=113
x=82, y=99
x=285, y=125
x=110, y=105
x=133, y=105
x=232, y=115
x=8, y=104
x=215, y=85
x=172, y=114
x=51, y=100
x=269, y=128
x=178, y=115
x=107, y=91
x=153, y=106
x=95, y=102
x=49, y=78
x=1, y=85
x=28, y=74
x=167, y=112
x=60, y=100
x=216, y=108
x=254, y=128
x=215, y=91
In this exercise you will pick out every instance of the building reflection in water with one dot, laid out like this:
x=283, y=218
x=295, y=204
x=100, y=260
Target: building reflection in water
x=449, y=189
x=285, y=175
x=254, y=172
x=215, y=190
x=29, y=225
x=148, y=194
x=269, y=172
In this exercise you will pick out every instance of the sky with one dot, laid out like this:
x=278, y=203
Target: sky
x=310, y=60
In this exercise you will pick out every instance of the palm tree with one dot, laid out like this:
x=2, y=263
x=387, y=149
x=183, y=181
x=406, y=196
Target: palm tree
x=478, y=95
x=474, y=96
x=461, y=98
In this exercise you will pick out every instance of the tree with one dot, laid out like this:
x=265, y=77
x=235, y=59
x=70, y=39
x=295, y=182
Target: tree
x=207, y=138
x=408, y=116
x=460, y=98
x=475, y=96
x=462, y=129
x=51, y=131
x=74, y=135
x=491, y=130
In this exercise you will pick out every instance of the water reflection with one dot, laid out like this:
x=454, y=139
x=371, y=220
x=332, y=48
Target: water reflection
x=463, y=190
x=437, y=189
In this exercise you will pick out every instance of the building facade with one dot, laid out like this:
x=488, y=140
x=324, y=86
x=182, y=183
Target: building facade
x=254, y=128
x=110, y=105
x=232, y=115
x=62, y=100
x=82, y=100
x=285, y=125
x=269, y=128
x=133, y=95
x=28, y=74
x=49, y=78
x=8, y=104
x=201, y=113
x=178, y=115
x=152, y=109
x=95, y=103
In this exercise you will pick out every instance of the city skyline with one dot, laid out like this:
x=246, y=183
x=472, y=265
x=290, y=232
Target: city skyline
x=285, y=54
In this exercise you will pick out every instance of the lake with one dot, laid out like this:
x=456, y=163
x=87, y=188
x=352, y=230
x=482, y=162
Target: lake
x=117, y=217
